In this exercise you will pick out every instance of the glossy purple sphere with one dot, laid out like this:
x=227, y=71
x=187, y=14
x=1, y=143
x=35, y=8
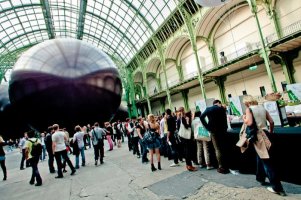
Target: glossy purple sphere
x=65, y=81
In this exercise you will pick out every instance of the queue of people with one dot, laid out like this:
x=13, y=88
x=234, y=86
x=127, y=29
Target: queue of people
x=196, y=153
x=154, y=136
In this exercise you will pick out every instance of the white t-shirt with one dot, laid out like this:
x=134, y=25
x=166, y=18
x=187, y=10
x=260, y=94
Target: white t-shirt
x=79, y=136
x=58, y=138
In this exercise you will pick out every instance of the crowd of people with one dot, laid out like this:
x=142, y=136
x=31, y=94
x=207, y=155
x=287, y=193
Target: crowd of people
x=156, y=135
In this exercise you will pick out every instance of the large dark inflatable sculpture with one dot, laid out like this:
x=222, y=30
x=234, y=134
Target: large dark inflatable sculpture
x=65, y=81
x=12, y=126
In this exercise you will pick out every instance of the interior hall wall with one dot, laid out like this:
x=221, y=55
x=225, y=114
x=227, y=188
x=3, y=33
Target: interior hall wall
x=194, y=95
x=156, y=107
x=204, y=55
x=151, y=85
x=188, y=62
x=288, y=12
x=212, y=90
x=251, y=81
x=236, y=32
x=172, y=73
x=297, y=67
x=177, y=101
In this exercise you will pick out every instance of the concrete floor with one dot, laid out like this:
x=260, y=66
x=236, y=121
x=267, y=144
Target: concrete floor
x=123, y=177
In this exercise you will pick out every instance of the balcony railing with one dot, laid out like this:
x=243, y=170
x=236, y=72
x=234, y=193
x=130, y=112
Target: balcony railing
x=293, y=28
x=242, y=51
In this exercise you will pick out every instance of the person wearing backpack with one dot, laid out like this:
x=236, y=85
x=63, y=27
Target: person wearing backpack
x=97, y=134
x=33, y=150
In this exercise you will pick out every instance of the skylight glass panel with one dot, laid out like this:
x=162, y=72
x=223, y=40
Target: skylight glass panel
x=121, y=28
x=4, y=5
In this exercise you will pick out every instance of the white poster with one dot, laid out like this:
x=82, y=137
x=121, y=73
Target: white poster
x=271, y=107
x=203, y=104
x=235, y=105
x=295, y=89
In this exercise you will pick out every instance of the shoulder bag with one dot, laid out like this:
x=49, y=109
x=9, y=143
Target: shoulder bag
x=201, y=133
x=183, y=132
x=251, y=131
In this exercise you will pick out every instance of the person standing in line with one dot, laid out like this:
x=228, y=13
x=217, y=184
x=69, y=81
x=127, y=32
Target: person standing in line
x=118, y=134
x=79, y=137
x=202, y=146
x=217, y=125
x=2, y=158
x=22, y=149
x=265, y=167
x=135, y=137
x=97, y=134
x=33, y=160
x=141, y=129
x=154, y=127
x=171, y=138
x=48, y=144
x=164, y=130
x=59, y=150
x=188, y=143
x=128, y=133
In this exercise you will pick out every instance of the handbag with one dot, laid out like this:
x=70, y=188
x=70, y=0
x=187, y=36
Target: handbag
x=201, y=133
x=183, y=132
x=251, y=131
x=149, y=137
x=243, y=142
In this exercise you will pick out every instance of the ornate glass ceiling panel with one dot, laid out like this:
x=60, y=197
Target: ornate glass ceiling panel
x=119, y=27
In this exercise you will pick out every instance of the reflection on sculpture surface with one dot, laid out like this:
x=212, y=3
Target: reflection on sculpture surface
x=65, y=81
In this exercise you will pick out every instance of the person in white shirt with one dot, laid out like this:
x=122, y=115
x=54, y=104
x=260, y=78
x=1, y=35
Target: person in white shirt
x=59, y=150
x=79, y=137
x=42, y=157
x=22, y=150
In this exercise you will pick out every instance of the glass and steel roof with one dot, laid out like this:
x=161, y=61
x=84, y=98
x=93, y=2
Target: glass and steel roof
x=118, y=27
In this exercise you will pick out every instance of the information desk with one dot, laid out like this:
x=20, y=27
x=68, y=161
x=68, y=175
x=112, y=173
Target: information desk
x=285, y=153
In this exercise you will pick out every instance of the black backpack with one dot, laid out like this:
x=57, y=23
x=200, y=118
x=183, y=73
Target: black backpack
x=36, y=149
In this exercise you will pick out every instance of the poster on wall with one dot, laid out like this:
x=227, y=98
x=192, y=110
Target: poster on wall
x=294, y=91
x=237, y=106
x=203, y=104
x=272, y=108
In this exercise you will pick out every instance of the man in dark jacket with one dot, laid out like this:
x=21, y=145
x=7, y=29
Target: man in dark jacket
x=48, y=144
x=171, y=138
x=217, y=125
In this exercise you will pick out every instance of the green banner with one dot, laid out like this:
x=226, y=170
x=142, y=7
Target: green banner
x=234, y=109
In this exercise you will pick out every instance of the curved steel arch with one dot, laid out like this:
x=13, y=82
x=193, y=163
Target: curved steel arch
x=99, y=17
x=18, y=36
x=104, y=43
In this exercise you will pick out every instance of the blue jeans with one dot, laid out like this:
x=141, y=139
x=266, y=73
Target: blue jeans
x=265, y=169
x=82, y=152
x=35, y=176
x=43, y=155
x=143, y=151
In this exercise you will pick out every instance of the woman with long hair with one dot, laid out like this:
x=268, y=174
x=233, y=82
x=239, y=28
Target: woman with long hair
x=153, y=147
x=185, y=119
